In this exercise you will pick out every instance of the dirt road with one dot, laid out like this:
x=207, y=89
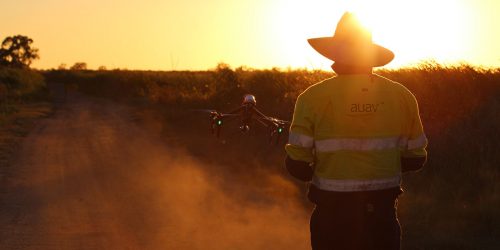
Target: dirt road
x=90, y=178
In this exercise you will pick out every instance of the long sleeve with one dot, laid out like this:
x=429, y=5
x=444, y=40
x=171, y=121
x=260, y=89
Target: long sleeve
x=301, y=141
x=414, y=155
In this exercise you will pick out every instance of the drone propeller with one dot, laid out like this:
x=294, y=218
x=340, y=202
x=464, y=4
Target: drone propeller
x=205, y=110
x=276, y=120
x=214, y=112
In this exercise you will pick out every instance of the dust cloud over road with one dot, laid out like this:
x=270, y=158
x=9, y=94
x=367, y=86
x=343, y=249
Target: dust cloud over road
x=90, y=178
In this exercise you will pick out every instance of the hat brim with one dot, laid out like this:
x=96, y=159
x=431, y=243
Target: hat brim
x=353, y=54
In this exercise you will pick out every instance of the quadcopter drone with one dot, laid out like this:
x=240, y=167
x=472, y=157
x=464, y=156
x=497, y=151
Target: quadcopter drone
x=247, y=113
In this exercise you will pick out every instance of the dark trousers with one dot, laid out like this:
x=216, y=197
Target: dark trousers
x=355, y=220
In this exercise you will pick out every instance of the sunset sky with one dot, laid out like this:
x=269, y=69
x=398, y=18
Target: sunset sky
x=198, y=34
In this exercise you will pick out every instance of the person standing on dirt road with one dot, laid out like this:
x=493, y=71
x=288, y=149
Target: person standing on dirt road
x=352, y=137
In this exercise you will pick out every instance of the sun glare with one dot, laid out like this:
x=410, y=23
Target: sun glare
x=417, y=30
x=414, y=30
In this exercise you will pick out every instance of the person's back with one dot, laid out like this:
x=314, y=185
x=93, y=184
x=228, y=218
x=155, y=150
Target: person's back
x=360, y=131
x=360, y=124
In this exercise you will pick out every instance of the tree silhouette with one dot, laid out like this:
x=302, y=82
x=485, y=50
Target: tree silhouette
x=79, y=66
x=16, y=51
x=62, y=66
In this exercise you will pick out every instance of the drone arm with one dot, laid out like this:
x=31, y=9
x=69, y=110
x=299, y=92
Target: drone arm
x=261, y=122
x=236, y=111
x=260, y=114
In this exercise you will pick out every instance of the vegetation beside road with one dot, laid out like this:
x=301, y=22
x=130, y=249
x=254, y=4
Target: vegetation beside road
x=24, y=98
x=451, y=204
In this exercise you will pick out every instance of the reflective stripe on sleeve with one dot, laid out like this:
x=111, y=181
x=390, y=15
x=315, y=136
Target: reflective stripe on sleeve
x=355, y=185
x=330, y=145
x=300, y=140
x=420, y=142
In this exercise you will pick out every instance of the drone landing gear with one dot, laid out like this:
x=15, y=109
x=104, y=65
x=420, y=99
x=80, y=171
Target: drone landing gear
x=215, y=130
x=275, y=134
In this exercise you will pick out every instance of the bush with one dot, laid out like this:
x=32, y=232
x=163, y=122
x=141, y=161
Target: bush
x=20, y=84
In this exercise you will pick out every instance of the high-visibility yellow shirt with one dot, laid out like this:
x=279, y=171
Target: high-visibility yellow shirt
x=356, y=128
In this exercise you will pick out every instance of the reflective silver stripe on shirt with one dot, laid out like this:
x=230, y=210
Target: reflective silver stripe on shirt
x=357, y=144
x=417, y=143
x=300, y=140
x=355, y=185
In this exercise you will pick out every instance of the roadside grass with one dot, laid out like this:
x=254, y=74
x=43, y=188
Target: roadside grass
x=24, y=98
x=16, y=125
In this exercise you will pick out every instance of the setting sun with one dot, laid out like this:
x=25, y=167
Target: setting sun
x=417, y=30
x=414, y=30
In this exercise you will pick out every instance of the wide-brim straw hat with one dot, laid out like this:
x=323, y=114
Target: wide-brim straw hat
x=352, y=44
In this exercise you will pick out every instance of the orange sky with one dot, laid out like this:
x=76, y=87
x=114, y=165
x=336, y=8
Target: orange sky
x=198, y=34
